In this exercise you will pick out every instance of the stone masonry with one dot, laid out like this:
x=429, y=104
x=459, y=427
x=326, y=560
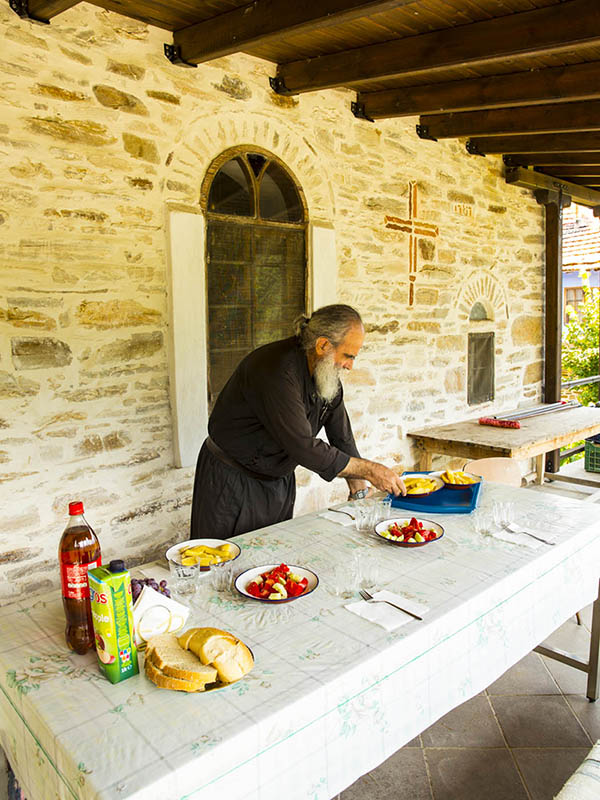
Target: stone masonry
x=99, y=135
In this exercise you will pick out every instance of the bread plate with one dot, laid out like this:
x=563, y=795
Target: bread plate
x=434, y=478
x=475, y=479
x=382, y=527
x=180, y=570
x=249, y=575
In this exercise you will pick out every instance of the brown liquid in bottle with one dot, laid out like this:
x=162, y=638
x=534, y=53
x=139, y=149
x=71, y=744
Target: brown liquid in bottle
x=78, y=550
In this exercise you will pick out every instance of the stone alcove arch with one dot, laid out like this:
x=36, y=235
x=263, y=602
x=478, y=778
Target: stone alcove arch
x=196, y=151
x=481, y=287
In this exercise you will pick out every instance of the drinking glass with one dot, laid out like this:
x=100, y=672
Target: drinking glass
x=503, y=513
x=482, y=521
x=221, y=577
x=365, y=513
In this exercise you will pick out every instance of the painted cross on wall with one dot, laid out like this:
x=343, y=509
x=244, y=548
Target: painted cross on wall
x=415, y=228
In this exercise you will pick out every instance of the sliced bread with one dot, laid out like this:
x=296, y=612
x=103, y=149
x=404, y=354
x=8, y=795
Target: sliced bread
x=172, y=660
x=163, y=681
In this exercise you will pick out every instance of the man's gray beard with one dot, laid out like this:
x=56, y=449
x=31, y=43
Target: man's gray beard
x=327, y=378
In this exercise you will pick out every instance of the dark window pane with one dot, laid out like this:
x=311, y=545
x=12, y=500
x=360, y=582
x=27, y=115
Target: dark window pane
x=480, y=383
x=279, y=198
x=257, y=162
x=230, y=191
x=478, y=312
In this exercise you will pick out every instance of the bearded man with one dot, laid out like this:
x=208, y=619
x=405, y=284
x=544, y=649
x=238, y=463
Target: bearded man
x=265, y=423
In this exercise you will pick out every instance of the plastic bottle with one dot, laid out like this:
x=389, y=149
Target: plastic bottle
x=78, y=551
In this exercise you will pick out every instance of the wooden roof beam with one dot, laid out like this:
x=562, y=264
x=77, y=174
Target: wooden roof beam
x=528, y=179
x=543, y=30
x=571, y=172
x=549, y=159
x=550, y=118
x=575, y=82
x=537, y=143
x=266, y=20
x=41, y=10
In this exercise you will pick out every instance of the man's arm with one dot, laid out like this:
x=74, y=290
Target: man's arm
x=383, y=478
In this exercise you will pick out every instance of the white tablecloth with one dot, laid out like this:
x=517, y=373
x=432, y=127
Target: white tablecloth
x=331, y=695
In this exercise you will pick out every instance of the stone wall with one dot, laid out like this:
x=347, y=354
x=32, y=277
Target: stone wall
x=98, y=135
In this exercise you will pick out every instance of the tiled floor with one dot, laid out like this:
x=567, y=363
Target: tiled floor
x=519, y=740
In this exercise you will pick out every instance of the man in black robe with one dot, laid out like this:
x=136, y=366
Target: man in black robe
x=265, y=423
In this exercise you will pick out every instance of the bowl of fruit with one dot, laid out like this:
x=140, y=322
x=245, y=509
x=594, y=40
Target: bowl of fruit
x=411, y=532
x=421, y=484
x=276, y=583
x=189, y=559
x=457, y=479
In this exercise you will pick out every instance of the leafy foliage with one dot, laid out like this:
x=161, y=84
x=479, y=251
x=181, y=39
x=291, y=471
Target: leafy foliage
x=580, y=343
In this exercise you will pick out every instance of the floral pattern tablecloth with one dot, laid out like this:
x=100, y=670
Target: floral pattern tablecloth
x=331, y=695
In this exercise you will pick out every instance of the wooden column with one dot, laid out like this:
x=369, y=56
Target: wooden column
x=554, y=202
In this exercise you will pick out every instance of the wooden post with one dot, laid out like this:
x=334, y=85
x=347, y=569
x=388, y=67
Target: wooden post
x=554, y=202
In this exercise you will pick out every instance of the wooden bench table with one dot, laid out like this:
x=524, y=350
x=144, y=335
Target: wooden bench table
x=536, y=437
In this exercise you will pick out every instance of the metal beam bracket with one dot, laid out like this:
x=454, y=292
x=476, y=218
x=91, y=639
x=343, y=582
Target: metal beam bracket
x=277, y=84
x=358, y=109
x=472, y=149
x=509, y=161
x=21, y=7
x=173, y=53
x=423, y=133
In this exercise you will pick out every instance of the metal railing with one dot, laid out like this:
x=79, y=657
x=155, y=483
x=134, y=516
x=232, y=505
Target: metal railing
x=570, y=385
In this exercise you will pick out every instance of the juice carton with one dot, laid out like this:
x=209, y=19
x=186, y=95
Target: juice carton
x=112, y=615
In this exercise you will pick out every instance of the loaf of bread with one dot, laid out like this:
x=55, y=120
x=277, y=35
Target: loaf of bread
x=219, y=649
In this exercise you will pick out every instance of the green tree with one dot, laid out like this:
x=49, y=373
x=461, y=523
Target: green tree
x=580, y=342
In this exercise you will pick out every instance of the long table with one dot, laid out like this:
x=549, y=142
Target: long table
x=331, y=695
x=536, y=437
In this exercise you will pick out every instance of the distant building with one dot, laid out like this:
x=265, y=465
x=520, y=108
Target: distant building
x=581, y=252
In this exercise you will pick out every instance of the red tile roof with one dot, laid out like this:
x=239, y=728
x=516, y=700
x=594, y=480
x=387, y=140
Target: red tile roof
x=581, y=239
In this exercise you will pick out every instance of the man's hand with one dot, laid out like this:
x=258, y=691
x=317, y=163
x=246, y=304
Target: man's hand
x=383, y=478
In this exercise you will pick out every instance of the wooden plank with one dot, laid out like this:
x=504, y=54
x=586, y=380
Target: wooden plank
x=584, y=171
x=544, y=30
x=575, y=82
x=542, y=143
x=550, y=159
x=549, y=118
x=527, y=178
x=266, y=20
x=45, y=10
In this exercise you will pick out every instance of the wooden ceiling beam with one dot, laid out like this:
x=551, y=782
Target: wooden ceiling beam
x=528, y=179
x=266, y=20
x=550, y=159
x=571, y=172
x=41, y=10
x=575, y=82
x=543, y=30
x=550, y=118
x=537, y=143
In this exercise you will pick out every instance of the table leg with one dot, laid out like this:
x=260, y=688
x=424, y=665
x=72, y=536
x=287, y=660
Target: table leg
x=425, y=460
x=539, y=468
x=593, y=683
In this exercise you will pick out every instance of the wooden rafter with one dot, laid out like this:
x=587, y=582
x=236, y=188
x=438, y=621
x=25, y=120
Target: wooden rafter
x=572, y=172
x=529, y=179
x=540, y=143
x=545, y=30
x=550, y=118
x=550, y=159
x=575, y=82
x=265, y=20
x=41, y=10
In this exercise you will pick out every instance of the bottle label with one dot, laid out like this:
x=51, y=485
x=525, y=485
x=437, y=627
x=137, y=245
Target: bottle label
x=74, y=579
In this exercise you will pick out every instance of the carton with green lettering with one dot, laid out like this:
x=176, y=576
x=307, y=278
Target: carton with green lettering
x=112, y=615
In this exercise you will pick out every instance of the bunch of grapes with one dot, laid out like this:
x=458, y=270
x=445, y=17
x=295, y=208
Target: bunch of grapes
x=137, y=584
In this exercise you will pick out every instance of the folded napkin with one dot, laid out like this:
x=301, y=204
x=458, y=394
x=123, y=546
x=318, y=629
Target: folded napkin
x=385, y=615
x=339, y=517
x=154, y=613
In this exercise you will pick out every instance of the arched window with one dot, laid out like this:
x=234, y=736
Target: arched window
x=256, y=258
x=480, y=359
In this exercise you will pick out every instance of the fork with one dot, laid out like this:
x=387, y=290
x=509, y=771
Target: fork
x=509, y=526
x=370, y=599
